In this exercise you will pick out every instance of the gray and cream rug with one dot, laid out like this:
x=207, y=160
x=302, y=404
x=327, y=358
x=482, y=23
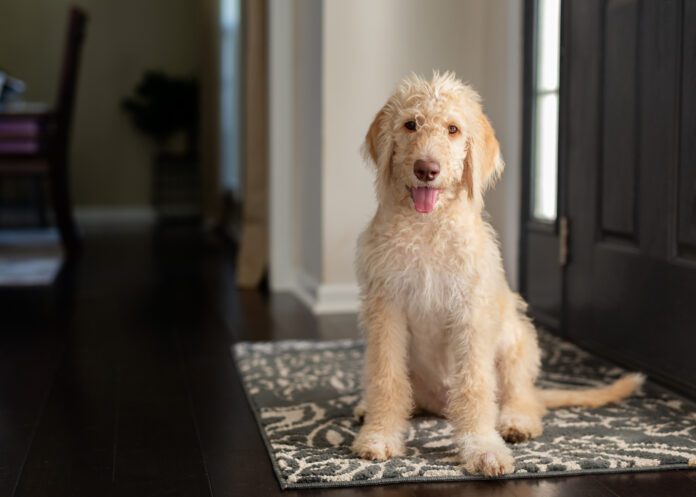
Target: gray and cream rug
x=303, y=393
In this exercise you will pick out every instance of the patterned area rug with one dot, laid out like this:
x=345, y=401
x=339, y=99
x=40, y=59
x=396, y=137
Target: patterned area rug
x=303, y=394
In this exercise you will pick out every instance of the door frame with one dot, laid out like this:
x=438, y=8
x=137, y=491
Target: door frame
x=529, y=225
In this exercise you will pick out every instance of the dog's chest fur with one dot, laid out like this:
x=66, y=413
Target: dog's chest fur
x=430, y=272
x=427, y=270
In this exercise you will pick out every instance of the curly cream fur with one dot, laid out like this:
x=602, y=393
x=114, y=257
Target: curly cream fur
x=444, y=331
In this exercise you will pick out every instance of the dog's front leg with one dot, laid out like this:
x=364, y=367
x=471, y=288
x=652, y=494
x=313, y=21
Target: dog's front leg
x=472, y=407
x=387, y=388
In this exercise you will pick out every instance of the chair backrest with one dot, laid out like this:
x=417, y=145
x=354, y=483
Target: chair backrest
x=65, y=102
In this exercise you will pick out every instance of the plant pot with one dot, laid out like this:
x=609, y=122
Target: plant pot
x=175, y=187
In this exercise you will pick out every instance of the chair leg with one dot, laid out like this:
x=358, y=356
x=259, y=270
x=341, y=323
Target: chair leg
x=40, y=200
x=2, y=192
x=60, y=191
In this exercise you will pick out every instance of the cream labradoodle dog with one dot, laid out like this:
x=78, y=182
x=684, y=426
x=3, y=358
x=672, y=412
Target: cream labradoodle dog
x=445, y=334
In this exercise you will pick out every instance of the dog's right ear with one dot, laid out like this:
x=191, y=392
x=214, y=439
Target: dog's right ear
x=372, y=137
x=378, y=146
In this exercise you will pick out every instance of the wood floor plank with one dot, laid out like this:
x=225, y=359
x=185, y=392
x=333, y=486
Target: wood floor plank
x=27, y=369
x=71, y=453
x=157, y=449
x=571, y=486
x=655, y=484
x=157, y=444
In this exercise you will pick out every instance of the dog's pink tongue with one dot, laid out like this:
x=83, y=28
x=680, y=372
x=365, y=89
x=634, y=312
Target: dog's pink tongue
x=424, y=198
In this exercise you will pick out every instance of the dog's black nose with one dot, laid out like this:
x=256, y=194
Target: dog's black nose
x=426, y=170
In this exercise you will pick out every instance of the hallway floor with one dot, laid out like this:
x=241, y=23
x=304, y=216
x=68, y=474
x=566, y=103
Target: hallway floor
x=119, y=381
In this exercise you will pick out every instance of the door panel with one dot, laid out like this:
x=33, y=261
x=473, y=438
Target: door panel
x=631, y=184
x=686, y=236
x=618, y=178
x=543, y=290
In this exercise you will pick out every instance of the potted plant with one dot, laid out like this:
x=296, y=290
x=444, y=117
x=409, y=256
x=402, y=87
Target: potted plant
x=165, y=108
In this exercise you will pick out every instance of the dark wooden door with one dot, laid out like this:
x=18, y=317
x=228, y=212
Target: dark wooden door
x=630, y=286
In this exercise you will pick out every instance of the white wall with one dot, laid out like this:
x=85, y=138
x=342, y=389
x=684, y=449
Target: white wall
x=366, y=48
x=502, y=99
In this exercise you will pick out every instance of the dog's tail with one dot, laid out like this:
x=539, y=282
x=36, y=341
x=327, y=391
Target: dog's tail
x=593, y=397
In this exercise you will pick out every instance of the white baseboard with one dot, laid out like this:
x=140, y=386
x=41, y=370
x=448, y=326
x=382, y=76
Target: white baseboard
x=322, y=298
x=305, y=287
x=91, y=218
x=337, y=299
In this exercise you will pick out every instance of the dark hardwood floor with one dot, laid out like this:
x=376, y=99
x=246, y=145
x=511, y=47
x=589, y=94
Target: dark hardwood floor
x=119, y=381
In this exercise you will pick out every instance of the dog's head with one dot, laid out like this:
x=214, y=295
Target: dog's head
x=433, y=146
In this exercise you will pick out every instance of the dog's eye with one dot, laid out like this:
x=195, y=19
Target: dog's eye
x=410, y=125
x=453, y=129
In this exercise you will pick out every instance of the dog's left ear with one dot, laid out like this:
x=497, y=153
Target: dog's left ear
x=484, y=164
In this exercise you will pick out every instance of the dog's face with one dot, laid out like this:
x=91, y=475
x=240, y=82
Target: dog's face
x=433, y=146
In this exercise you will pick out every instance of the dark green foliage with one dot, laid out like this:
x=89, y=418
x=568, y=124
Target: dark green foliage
x=164, y=105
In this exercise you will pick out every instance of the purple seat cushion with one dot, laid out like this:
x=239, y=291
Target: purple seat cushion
x=20, y=136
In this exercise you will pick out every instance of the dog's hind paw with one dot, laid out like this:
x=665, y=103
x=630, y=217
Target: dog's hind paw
x=360, y=410
x=516, y=427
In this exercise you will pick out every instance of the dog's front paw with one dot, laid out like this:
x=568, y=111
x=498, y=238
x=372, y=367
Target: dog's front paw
x=378, y=446
x=517, y=427
x=486, y=455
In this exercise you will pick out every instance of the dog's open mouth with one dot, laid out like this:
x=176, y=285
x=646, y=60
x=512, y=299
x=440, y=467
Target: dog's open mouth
x=424, y=198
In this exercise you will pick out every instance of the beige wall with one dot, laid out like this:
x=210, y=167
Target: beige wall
x=366, y=48
x=110, y=159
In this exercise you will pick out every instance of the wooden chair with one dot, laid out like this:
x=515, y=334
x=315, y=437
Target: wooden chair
x=37, y=142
